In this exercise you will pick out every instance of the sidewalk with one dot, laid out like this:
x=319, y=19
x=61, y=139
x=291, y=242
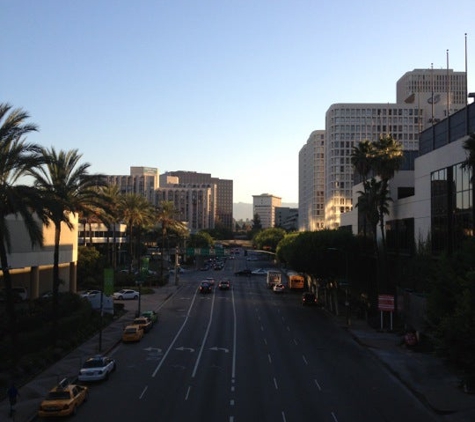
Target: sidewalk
x=424, y=374
x=32, y=394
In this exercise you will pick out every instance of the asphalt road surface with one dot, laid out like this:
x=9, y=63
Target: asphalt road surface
x=245, y=355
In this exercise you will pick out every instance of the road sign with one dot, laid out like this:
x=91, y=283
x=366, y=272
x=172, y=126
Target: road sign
x=386, y=303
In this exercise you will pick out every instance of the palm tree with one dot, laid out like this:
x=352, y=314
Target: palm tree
x=110, y=218
x=67, y=189
x=388, y=158
x=166, y=218
x=469, y=163
x=17, y=157
x=137, y=212
x=361, y=159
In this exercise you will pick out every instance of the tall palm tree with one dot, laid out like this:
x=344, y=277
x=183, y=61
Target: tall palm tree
x=136, y=212
x=469, y=163
x=361, y=159
x=166, y=216
x=67, y=189
x=110, y=217
x=387, y=161
x=17, y=157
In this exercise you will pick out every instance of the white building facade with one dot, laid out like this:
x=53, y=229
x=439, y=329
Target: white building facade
x=264, y=206
x=311, y=209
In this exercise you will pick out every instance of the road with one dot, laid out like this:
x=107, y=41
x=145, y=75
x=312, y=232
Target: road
x=247, y=354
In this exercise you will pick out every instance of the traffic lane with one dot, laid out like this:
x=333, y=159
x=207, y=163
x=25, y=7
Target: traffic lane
x=349, y=375
x=280, y=387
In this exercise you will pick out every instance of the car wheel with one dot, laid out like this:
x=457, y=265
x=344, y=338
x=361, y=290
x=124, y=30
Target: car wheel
x=121, y=297
x=136, y=297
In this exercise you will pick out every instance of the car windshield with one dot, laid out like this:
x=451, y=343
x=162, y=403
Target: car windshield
x=58, y=395
x=96, y=363
x=130, y=330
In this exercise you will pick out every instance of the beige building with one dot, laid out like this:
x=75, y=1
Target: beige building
x=32, y=267
x=311, y=214
x=264, y=206
x=142, y=180
x=424, y=96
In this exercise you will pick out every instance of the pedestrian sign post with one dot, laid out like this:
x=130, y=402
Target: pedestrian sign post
x=386, y=304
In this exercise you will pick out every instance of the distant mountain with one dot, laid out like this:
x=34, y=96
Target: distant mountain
x=243, y=211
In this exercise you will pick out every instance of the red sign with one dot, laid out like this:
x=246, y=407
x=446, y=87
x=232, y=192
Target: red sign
x=386, y=303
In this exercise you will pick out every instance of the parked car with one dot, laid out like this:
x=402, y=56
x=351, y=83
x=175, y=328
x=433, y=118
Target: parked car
x=205, y=287
x=144, y=323
x=151, y=315
x=309, y=298
x=278, y=288
x=126, y=294
x=63, y=400
x=132, y=333
x=245, y=272
x=19, y=294
x=97, y=368
x=90, y=293
x=224, y=285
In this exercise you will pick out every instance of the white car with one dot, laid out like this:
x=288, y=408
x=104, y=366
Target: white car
x=259, y=271
x=126, y=294
x=90, y=293
x=97, y=368
x=278, y=288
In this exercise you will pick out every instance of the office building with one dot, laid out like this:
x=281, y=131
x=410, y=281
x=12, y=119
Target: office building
x=264, y=206
x=287, y=218
x=224, y=193
x=424, y=97
x=142, y=180
x=311, y=211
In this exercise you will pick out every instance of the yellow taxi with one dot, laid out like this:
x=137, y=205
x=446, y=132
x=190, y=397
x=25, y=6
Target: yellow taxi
x=132, y=333
x=63, y=400
x=144, y=323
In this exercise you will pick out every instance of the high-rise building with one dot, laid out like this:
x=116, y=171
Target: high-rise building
x=311, y=213
x=142, y=180
x=224, y=193
x=424, y=97
x=264, y=206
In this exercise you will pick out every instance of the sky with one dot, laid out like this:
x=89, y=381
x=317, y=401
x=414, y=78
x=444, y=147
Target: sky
x=232, y=88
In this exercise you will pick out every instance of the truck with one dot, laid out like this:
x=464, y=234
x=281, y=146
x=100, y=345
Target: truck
x=273, y=277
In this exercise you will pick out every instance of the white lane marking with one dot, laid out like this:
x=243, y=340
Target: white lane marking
x=188, y=392
x=176, y=337
x=143, y=392
x=288, y=328
x=233, y=374
x=304, y=359
x=269, y=357
x=296, y=342
x=265, y=341
x=231, y=402
x=283, y=416
x=275, y=384
x=203, y=342
x=318, y=385
x=334, y=417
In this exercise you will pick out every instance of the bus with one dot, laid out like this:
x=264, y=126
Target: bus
x=296, y=281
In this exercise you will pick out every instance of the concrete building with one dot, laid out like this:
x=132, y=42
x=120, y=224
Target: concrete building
x=195, y=203
x=142, y=180
x=224, y=193
x=287, y=218
x=424, y=96
x=264, y=206
x=311, y=211
x=32, y=267
x=440, y=211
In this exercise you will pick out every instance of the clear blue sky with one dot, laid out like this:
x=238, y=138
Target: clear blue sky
x=231, y=88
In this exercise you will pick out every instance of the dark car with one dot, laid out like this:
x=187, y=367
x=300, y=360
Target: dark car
x=245, y=272
x=224, y=285
x=309, y=299
x=205, y=287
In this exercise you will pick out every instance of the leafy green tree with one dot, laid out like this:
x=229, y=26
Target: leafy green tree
x=256, y=223
x=90, y=267
x=202, y=239
x=17, y=157
x=67, y=188
x=269, y=238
